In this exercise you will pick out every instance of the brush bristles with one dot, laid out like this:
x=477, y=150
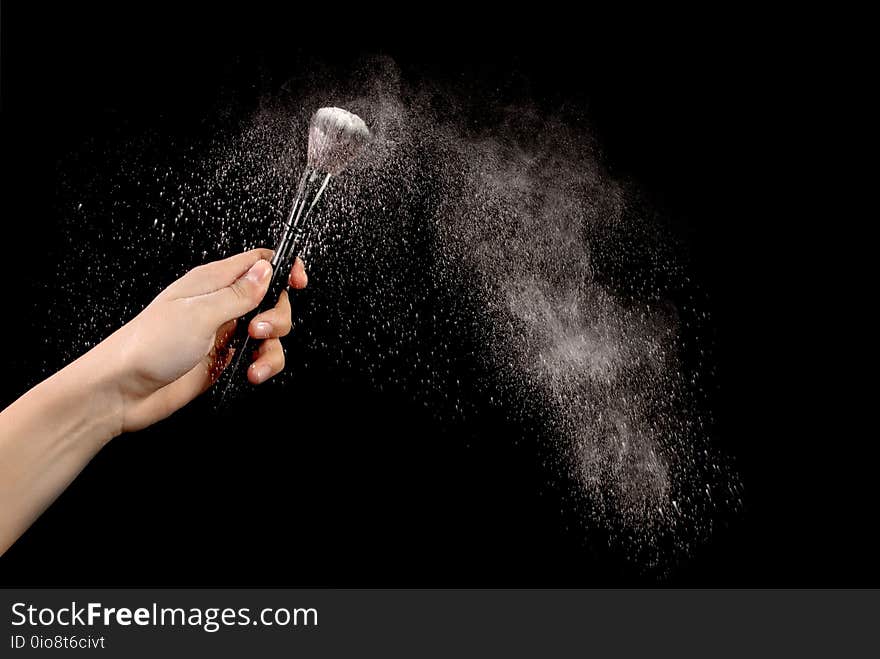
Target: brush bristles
x=336, y=136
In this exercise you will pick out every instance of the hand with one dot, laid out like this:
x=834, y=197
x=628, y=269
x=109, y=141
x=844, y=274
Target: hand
x=175, y=348
x=170, y=353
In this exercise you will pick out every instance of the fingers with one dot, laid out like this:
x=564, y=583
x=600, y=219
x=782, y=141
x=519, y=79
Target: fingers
x=276, y=322
x=269, y=361
x=237, y=298
x=273, y=323
x=298, y=278
x=213, y=276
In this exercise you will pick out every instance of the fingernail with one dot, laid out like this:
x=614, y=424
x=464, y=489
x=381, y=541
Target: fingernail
x=259, y=271
x=261, y=372
x=262, y=330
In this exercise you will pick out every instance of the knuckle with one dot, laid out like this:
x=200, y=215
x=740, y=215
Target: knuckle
x=237, y=291
x=275, y=353
x=284, y=326
x=242, y=290
x=198, y=270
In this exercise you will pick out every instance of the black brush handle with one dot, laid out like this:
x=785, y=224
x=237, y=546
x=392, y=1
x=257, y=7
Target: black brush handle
x=311, y=187
x=241, y=342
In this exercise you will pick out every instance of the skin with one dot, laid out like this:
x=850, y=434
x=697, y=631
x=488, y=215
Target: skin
x=150, y=367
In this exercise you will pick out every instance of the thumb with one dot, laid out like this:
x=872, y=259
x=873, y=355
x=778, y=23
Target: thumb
x=240, y=296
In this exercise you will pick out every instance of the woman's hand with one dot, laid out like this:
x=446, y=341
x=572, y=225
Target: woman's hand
x=155, y=364
x=175, y=348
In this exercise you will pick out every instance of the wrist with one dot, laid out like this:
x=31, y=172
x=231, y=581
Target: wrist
x=98, y=377
x=122, y=378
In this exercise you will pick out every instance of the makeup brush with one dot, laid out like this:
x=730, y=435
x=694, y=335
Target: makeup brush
x=336, y=136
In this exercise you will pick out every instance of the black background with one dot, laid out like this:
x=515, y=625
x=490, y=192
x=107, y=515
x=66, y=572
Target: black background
x=706, y=120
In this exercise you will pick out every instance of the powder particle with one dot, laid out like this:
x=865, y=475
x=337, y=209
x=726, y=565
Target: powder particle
x=521, y=245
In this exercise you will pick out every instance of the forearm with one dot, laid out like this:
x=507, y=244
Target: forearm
x=49, y=434
x=155, y=364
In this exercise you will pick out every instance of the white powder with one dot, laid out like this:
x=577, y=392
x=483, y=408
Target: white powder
x=515, y=218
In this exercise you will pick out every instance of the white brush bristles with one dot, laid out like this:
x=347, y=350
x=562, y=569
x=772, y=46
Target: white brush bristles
x=336, y=136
